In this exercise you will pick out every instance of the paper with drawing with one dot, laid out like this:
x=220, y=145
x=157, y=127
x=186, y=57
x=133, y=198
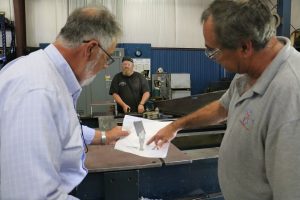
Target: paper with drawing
x=140, y=131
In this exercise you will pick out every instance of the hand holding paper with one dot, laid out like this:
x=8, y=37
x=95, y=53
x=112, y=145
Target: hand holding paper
x=135, y=144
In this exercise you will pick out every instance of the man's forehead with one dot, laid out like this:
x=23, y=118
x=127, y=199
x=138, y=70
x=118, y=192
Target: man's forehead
x=209, y=33
x=127, y=62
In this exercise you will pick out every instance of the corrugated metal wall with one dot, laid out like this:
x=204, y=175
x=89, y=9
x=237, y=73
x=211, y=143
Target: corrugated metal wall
x=203, y=70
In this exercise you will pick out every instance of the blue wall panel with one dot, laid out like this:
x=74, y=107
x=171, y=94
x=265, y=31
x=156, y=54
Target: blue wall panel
x=130, y=49
x=203, y=70
x=181, y=60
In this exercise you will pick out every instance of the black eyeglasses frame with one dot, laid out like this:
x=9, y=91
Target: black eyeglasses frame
x=110, y=59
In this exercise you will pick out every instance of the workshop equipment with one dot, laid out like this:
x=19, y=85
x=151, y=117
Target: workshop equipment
x=6, y=53
x=170, y=86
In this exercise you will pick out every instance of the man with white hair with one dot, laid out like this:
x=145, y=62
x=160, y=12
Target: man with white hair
x=42, y=144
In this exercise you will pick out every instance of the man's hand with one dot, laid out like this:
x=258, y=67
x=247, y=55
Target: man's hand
x=163, y=136
x=114, y=134
x=126, y=108
x=141, y=108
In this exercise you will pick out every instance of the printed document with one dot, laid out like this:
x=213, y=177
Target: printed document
x=135, y=142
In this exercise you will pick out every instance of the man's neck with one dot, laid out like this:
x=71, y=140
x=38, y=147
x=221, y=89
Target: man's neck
x=72, y=56
x=261, y=59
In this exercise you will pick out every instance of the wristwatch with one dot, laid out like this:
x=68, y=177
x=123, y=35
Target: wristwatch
x=103, y=137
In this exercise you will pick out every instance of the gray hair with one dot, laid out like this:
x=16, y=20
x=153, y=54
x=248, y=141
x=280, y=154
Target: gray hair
x=90, y=23
x=236, y=21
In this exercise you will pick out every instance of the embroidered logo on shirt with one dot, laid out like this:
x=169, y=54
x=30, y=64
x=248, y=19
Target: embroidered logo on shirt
x=247, y=120
x=122, y=84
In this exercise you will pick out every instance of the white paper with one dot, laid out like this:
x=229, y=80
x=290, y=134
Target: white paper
x=131, y=143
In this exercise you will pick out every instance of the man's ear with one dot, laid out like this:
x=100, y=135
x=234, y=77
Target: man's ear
x=89, y=48
x=246, y=48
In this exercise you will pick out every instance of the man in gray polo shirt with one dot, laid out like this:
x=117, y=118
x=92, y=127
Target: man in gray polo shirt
x=259, y=158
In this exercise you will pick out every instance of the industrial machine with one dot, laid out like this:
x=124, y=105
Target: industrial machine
x=170, y=86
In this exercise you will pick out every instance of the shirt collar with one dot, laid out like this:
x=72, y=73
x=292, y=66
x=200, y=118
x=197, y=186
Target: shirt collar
x=267, y=76
x=65, y=71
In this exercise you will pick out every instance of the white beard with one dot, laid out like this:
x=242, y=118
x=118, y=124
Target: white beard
x=89, y=75
x=87, y=81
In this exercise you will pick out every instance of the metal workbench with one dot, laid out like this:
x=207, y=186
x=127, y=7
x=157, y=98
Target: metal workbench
x=188, y=172
x=118, y=175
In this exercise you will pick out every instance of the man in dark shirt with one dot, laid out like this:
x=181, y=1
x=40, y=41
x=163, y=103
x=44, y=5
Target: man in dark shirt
x=129, y=89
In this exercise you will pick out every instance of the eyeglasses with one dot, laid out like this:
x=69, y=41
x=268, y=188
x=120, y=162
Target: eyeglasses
x=211, y=53
x=110, y=59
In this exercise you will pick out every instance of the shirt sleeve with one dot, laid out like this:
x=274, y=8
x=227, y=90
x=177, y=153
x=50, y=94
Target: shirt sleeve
x=226, y=97
x=225, y=100
x=31, y=148
x=88, y=133
x=114, y=88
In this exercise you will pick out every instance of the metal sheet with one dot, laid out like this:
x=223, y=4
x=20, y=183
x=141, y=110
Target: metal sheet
x=106, y=158
x=176, y=156
x=186, y=105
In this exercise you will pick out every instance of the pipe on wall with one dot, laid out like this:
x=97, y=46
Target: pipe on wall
x=20, y=26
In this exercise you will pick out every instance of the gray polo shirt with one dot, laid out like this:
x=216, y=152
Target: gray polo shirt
x=260, y=153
